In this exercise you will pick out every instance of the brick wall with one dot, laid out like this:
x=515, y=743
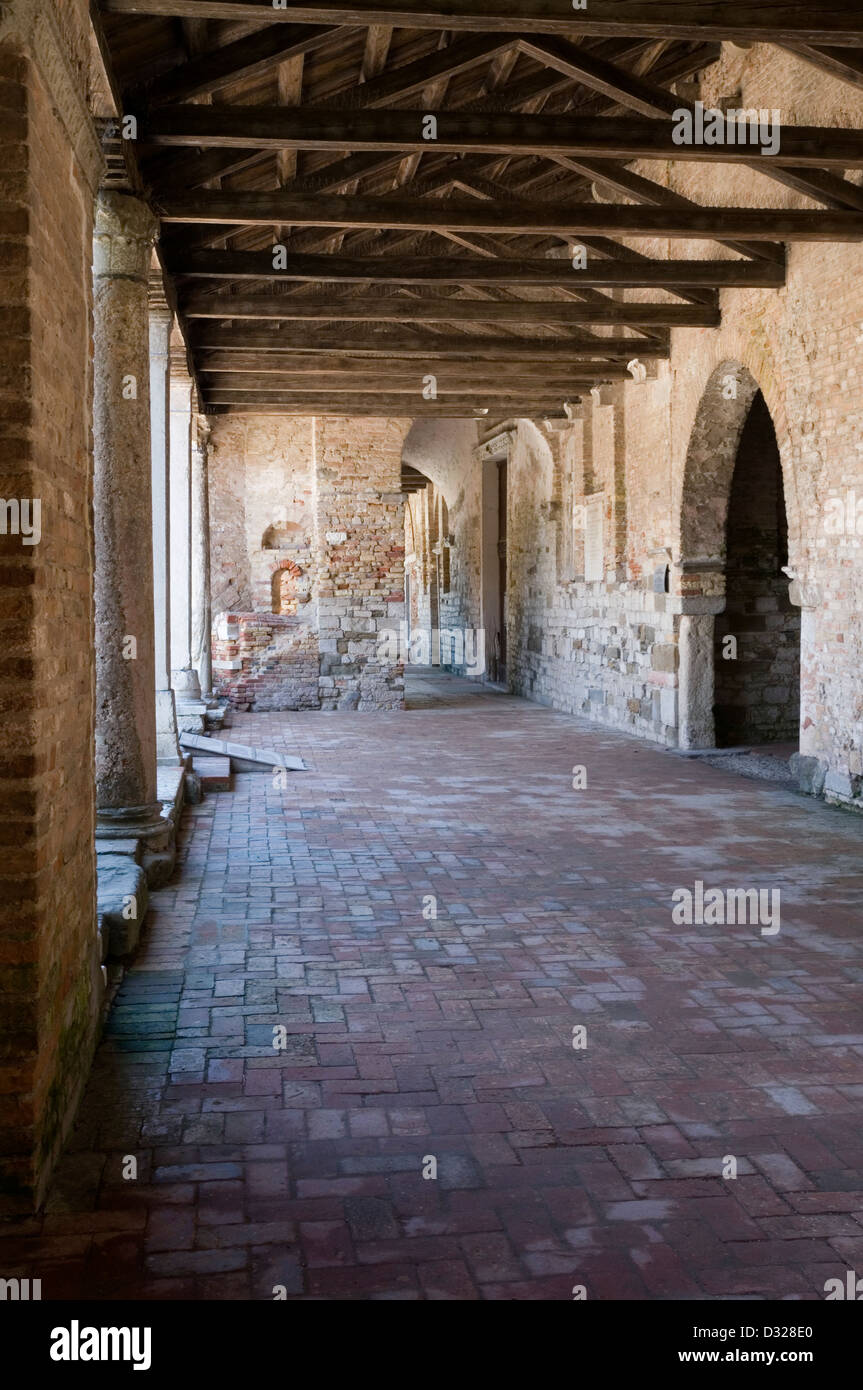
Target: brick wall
x=50, y=976
x=360, y=591
x=322, y=496
x=266, y=661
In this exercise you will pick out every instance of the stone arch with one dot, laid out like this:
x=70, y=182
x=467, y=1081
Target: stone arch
x=709, y=467
x=283, y=584
x=699, y=583
x=751, y=360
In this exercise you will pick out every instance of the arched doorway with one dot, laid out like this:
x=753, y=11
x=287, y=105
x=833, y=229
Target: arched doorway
x=756, y=692
x=285, y=597
x=739, y=634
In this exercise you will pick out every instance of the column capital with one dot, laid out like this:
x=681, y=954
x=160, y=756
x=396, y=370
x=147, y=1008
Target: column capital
x=123, y=235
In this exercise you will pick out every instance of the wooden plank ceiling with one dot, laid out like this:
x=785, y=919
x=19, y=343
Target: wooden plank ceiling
x=423, y=276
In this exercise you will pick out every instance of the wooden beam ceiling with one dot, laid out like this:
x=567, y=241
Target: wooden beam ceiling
x=305, y=126
x=343, y=368
x=382, y=403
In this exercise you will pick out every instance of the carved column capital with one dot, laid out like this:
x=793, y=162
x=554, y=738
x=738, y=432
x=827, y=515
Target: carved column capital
x=123, y=235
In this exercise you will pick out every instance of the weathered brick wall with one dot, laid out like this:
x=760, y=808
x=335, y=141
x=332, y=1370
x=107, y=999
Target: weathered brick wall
x=50, y=976
x=266, y=661
x=360, y=530
x=261, y=505
x=323, y=497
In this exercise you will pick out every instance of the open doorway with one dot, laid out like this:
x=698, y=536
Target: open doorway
x=494, y=572
x=739, y=631
x=757, y=638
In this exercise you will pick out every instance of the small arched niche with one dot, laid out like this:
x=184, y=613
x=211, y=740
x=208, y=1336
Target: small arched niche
x=281, y=535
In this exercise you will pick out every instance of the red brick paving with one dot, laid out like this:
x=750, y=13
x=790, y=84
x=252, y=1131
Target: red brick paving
x=451, y=1039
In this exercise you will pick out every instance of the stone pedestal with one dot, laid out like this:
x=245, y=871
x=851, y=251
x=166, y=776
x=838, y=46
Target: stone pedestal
x=161, y=321
x=126, y=794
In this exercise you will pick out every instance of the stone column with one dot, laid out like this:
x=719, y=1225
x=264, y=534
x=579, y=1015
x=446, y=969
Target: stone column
x=161, y=321
x=811, y=766
x=184, y=678
x=695, y=675
x=126, y=794
x=697, y=596
x=202, y=657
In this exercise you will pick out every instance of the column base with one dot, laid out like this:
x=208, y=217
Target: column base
x=186, y=685
x=148, y=825
x=167, y=742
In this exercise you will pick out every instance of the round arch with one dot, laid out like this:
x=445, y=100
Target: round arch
x=283, y=577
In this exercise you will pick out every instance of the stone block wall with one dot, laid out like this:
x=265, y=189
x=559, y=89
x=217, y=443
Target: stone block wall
x=50, y=971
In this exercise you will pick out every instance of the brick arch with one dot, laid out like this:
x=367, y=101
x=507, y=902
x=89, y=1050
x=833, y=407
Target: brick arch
x=280, y=570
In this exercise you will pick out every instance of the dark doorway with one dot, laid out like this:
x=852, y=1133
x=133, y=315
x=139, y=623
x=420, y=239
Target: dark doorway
x=501, y=557
x=757, y=655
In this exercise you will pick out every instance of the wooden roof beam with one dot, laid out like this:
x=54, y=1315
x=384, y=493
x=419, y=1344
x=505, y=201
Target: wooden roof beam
x=833, y=22
x=511, y=217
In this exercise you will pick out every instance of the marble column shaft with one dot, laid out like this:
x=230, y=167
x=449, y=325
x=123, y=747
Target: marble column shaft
x=125, y=645
x=183, y=675
x=202, y=658
x=161, y=321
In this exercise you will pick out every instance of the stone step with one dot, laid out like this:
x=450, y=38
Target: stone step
x=121, y=903
x=215, y=773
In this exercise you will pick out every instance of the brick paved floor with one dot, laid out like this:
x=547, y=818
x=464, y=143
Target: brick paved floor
x=409, y=1038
